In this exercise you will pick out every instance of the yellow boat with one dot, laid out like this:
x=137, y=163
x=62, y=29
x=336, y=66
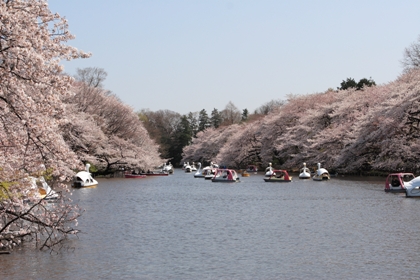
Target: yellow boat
x=245, y=174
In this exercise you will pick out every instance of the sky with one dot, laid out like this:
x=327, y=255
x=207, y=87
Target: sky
x=189, y=55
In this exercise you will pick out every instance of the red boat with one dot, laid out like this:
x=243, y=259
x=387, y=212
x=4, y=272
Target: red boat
x=155, y=173
x=395, y=182
x=279, y=176
x=134, y=176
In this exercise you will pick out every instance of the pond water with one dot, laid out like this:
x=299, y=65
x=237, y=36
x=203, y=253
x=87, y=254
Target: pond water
x=181, y=227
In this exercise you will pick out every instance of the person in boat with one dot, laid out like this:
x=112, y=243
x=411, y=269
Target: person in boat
x=148, y=171
x=280, y=175
x=395, y=182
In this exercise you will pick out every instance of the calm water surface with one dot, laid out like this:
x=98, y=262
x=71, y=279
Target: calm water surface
x=181, y=227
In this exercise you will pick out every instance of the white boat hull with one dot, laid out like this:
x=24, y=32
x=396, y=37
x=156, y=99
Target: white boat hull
x=322, y=177
x=413, y=192
x=413, y=187
x=304, y=175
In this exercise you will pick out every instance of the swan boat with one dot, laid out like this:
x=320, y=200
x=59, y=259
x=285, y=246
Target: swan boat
x=193, y=168
x=305, y=173
x=398, y=182
x=199, y=173
x=84, y=179
x=188, y=168
x=279, y=176
x=42, y=189
x=210, y=171
x=168, y=168
x=225, y=176
x=413, y=187
x=269, y=170
x=321, y=174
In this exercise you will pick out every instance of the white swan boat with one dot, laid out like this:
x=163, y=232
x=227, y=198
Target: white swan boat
x=305, y=173
x=199, y=173
x=412, y=187
x=168, y=168
x=210, y=171
x=269, y=170
x=84, y=179
x=42, y=189
x=321, y=174
x=188, y=168
x=193, y=167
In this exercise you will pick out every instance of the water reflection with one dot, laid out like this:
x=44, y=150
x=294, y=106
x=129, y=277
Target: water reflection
x=180, y=227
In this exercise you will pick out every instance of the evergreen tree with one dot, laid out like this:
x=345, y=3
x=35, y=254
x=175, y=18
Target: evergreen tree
x=203, y=120
x=351, y=83
x=181, y=138
x=216, y=118
x=192, y=119
x=365, y=83
x=244, y=114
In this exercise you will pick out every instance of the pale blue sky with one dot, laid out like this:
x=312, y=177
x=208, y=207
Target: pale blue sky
x=189, y=55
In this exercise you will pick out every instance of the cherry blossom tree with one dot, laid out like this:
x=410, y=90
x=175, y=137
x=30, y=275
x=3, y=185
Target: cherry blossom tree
x=201, y=149
x=241, y=148
x=107, y=133
x=208, y=143
x=32, y=43
x=373, y=129
x=389, y=131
